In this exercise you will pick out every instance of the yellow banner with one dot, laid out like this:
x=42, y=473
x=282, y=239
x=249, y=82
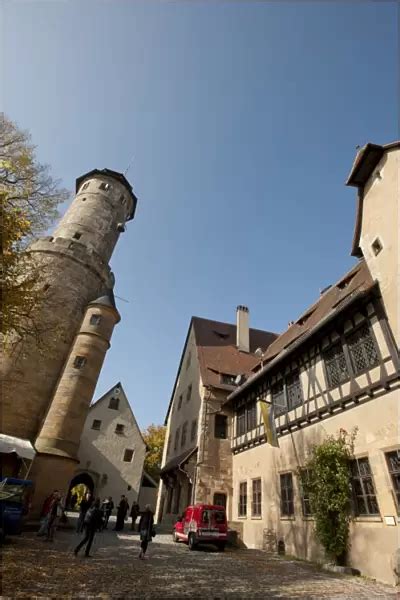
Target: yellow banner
x=267, y=413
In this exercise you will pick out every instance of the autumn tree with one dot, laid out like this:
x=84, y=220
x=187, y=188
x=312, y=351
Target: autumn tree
x=154, y=436
x=29, y=198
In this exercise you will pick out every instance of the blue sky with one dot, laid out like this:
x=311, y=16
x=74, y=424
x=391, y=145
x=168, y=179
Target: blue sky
x=242, y=119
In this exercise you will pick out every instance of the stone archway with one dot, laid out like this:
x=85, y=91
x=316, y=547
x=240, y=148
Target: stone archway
x=81, y=478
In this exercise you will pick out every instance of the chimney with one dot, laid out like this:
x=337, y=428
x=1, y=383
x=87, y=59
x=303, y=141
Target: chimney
x=242, y=329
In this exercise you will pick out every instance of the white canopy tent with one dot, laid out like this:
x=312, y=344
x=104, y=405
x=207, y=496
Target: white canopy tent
x=23, y=448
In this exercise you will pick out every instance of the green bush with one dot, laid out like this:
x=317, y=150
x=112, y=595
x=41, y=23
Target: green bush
x=329, y=489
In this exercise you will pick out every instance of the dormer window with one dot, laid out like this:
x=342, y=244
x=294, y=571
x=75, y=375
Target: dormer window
x=228, y=379
x=105, y=186
x=85, y=186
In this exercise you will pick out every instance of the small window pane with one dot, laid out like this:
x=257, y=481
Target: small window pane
x=256, y=500
x=119, y=429
x=180, y=401
x=336, y=366
x=362, y=349
x=189, y=393
x=114, y=403
x=278, y=398
x=193, y=431
x=95, y=319
x=364, y=496
x=184, y=434
x=393, y=462
x=128, y=455
x=241, y=421
x=242, y=499
x=221, y=427
x=96, y=424
x=105, y=186
x=287, y=498
x=251, y=416
x=79, y=362
x=294, y=390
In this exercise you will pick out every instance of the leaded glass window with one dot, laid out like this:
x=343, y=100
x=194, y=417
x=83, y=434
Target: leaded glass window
x=293, y=390
x=251, y=416
x=365, y=502
x=362, y=349
x=278, y=398
x=336, y=366
x=241, y=421
x=393, y=462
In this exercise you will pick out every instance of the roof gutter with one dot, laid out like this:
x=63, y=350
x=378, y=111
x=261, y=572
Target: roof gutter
x=298, y=343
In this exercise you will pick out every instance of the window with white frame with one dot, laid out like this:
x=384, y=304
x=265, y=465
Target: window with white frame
x=242, y=508
x=256, y=498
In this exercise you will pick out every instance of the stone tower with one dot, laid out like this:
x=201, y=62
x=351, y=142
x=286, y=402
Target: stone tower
x=44, y=397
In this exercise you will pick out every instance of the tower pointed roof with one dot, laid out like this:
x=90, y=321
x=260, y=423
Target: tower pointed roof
x=106, y=298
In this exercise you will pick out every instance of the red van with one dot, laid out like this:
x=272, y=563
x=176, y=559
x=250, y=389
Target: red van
x=202, y=524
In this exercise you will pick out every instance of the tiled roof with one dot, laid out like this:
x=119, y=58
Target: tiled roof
x=218, y=353
x=356, y=282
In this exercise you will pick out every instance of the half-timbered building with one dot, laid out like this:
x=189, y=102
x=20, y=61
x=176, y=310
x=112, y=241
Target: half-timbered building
x=336, y=367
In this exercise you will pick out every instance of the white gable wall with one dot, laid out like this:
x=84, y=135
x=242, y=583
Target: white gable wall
x=101, y=452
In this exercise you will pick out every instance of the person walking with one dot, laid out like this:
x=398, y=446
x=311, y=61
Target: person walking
x=44, y=515
x=93, y=522
x=122, y=510
x=147, y=531
x=134, y=514
x=84, y=506
x=55, y=512
x=107, y=508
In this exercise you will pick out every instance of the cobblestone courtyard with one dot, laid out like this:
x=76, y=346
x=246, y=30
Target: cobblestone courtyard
x=33, y=568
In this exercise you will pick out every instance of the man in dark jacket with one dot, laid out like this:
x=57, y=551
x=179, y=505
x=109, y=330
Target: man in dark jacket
x=146, y=528
x=83, y=508
x=123, y=507
x=93, y=522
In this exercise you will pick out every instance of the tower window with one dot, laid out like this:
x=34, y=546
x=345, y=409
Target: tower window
x=95, y=319
x=119, y=428
x=376, y=246
x=122, y=200
x=128, y=455
x=105, y=186
x=96, y=424
x=85, y=185
x=79, y=362
x=77, y=235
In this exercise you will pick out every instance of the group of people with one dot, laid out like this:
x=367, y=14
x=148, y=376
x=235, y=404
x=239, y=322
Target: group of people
x=52, y=512
x=94, y=516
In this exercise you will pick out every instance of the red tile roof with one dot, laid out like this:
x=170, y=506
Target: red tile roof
x=357, y=281
x=218, y=353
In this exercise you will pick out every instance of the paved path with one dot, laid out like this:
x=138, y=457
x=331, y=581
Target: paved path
x=33, y=568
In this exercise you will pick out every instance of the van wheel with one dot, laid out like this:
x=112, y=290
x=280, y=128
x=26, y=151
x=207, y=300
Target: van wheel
x=192, y=541
x=221, y=547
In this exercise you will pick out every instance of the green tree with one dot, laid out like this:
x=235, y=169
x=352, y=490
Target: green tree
x=29, y=198
x=154, y=436
x=329, y=487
